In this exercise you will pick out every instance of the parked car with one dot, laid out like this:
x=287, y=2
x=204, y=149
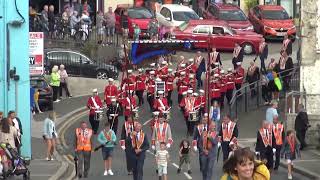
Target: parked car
x=78, y=64
x=173, y=15
x=45, y=92
x=223, y=37
x=232, y=14
x=136, y=15
x=272, y=21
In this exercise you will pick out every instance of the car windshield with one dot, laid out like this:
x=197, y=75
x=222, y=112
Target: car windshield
x=275, y=14
x=184, y=15
x=229, y=30
x=38, y=83
x=139, y=14
x=232, y=15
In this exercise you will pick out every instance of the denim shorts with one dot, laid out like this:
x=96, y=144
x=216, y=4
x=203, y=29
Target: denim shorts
x=110, y=31
x=106, y=152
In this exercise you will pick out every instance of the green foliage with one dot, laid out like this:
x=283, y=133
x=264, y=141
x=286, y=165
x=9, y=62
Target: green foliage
x=89, y=48
x=250, y=3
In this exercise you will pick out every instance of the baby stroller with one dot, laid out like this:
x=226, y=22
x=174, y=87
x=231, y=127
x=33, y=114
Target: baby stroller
x=15, y=164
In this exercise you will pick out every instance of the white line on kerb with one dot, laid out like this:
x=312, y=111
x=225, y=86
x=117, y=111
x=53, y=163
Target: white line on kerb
x=175, y=165
x=187, y=175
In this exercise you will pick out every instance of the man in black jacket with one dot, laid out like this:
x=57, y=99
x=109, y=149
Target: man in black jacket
x=263, y=54
x=301, y=125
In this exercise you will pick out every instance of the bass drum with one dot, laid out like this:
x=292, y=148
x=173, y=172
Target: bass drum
x=167, y=116
x=99, y=115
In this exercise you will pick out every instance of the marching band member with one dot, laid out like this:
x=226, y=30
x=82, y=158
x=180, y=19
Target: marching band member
x=163, y=70
x=128, y=84
x=198, y=58
x=161, y=133
x=131, y=76
x=265, y=144
x=138, y=144
x=216, y=69
x=203, y=100
x=154, y=120
x=192, y=82
x=127, y=128
x=161, y=103
x=239, y=74
x=208, y=146
x=287, y=45
x=230, y=84
x=110, y=90
x=223, y=88
x=279, y=135
x=253, y=75
x=169, y=85
x=237, y=55
x=181, y=68
x=140, y=86
x=182, y=85
x=188, y=106
x=215, y=89
x=192, y=67
x=113, y=111
x=151, y=89
x=215, y=58
x=228, y=133
x=129, y=104
x=94, y=104
x=202, y=127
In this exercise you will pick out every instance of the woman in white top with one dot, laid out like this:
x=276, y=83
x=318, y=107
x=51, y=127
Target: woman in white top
x=215, y=113
x=50, y=134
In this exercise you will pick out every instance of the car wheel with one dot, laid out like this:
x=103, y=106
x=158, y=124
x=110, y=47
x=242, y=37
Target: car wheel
x=102, y=74
x=248, y=48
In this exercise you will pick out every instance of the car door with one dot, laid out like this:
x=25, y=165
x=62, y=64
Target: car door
x=75, y=64
x=55, y=58
x=88, y=67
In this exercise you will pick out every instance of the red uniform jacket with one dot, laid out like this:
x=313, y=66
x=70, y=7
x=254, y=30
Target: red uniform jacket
x=162, y=71
x=192, y=83
x=92, y=106
x=192, y=68
x=183, y=85
x=151, y=86
x=203, y=101
x=230, y=81
x=239, y=75
x=129, y=85
x=169, y=83
x=188, y=103
x=141, y=82
x=128, y=104
x=109, y=91
x=161, y=104
x=215, y=89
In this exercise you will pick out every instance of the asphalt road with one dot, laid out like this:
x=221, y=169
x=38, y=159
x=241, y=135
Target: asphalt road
x=179, y=132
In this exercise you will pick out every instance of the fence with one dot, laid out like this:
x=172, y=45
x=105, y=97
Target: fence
x=245, y=100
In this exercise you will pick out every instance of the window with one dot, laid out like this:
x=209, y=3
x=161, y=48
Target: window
x=201, y=30
x=275, y=14
x=217, y=30
x=139, y=13
x=212, y=11
x=165, y=13
x=75, y=58
x=232, y=15
x=184, y=15
x=57, y=56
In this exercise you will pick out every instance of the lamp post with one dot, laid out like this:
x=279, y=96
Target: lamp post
x=208, y=71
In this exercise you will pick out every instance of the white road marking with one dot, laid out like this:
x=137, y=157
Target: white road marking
x=307, y=160
x=175, y=165
x=187, y=175
x=145, y=123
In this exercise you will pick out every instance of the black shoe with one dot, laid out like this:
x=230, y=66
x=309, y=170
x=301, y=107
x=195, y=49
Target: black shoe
x=80, y=176
x=189, y=172
x=129, y=173
x=179, y=170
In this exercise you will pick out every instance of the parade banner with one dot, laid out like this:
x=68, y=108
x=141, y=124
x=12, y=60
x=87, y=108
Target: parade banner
x=36, y=54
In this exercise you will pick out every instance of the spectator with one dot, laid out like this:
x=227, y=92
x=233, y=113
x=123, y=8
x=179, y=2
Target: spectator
x=45, y=20
x=86, y=8
x=153, y=29
x=64, y=81
x=301, y=126
x=272, y=64
x=36, y=100
x=252, y=76
x=124, y=23
x=100, y=21
x=136, y=32
x=215, y=113
x=50, y=134
x=266, y=93
x=184, y=155
x=74, y=20
x=15, y=121
x=55, y=83
x=8, y=133
x=66, y=15
x=162, y=158
x=107, y=138
x=51, y=21
x=242, y=162
x=85, y=23
x=271, y=112
x=110, y=24
x=32, y=15
x=32, y=105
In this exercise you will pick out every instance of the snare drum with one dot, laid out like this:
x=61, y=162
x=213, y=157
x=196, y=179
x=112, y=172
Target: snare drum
x=193, y=116
x=99, y=115
x=166, y=115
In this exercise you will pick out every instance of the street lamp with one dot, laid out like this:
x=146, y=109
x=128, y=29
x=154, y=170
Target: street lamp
x=208, y=71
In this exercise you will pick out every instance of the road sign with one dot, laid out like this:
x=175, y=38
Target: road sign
x=36, y=53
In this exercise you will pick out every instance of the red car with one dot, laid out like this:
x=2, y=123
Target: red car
x=272, y=21
x=136, y=15
x=232, y=14
x=223, y=37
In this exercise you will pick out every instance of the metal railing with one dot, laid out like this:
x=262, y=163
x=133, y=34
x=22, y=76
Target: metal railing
x=245, y=99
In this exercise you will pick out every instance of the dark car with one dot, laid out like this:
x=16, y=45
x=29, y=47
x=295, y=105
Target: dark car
x=45, y=92
x=78, y=64
x=232, y=14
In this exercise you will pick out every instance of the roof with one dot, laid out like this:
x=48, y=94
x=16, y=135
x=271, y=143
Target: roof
x=270, y=7
x=176, y=7
x=226, y=6
x=207, y=22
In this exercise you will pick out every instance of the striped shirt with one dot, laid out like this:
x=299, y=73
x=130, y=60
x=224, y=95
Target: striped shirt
x=162, y=156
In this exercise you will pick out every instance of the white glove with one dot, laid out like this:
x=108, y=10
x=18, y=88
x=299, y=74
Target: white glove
x=168, y=145
x=195, y=148
x=274, y=150
x=257, y=153
x=123, y=147
x=153, y=147
x=219, y=144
